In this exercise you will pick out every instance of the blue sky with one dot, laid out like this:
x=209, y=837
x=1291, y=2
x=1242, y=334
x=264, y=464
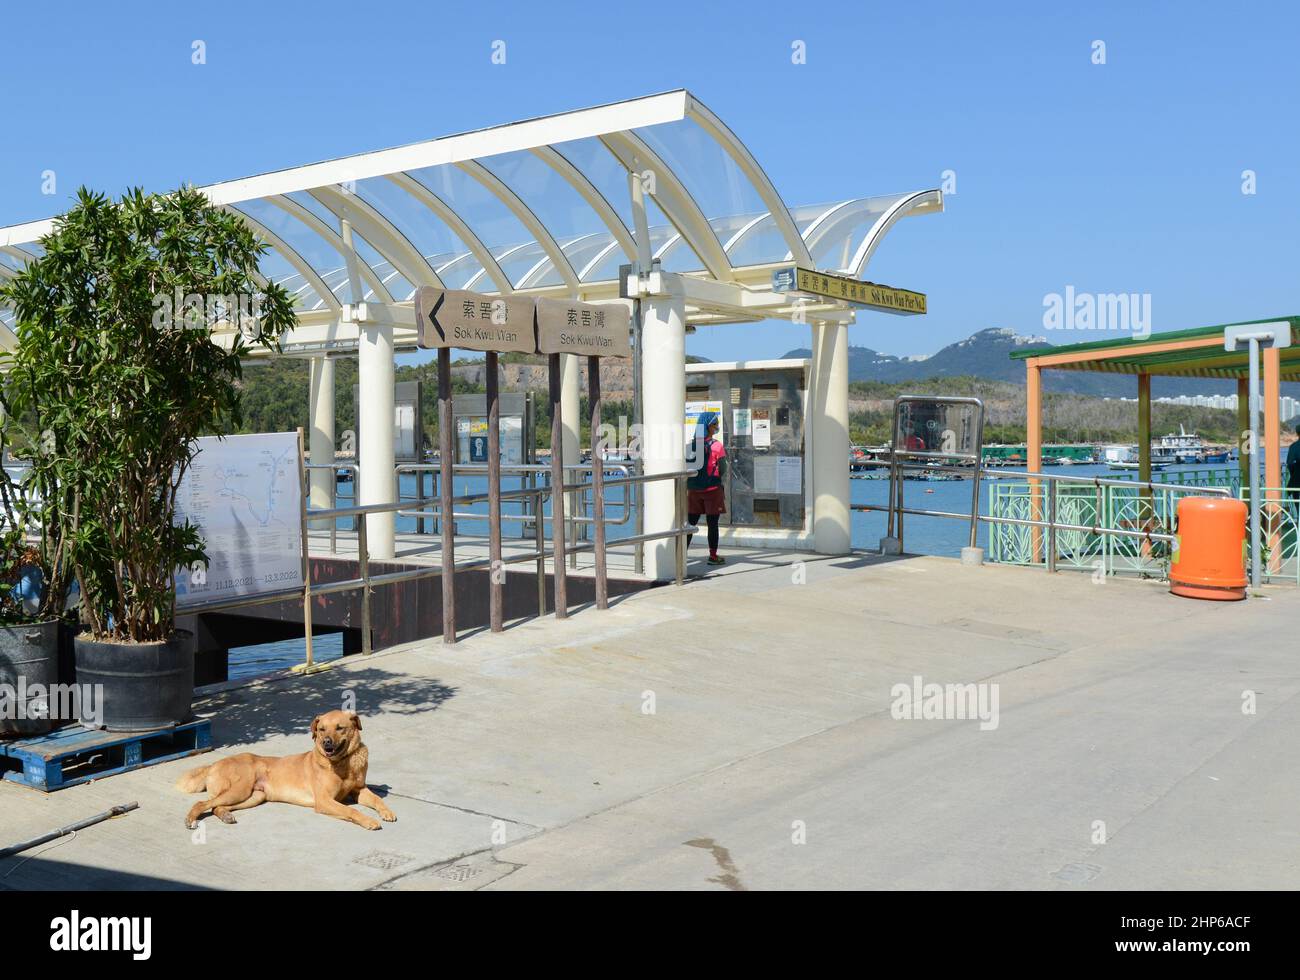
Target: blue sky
x=1122, y=177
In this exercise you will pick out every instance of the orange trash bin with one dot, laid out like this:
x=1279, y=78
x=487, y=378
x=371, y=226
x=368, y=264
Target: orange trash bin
x=1209, y=555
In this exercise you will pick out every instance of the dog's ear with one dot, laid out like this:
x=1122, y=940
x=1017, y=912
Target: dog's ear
x=314, y=722
x=356, y=721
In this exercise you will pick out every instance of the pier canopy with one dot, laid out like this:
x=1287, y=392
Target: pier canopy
x=559, y=206
x=1195, y=353
x=540, y=207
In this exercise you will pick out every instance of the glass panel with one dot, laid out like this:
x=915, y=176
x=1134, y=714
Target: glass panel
x=708, y=173
x=603, y=169
x=495, y=225
x=422, y=228
x=564, y=212
x=835, y=239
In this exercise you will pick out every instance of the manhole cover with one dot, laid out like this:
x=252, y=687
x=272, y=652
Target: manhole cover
x=383, y=860
x=1077, y=874
x=459, y=872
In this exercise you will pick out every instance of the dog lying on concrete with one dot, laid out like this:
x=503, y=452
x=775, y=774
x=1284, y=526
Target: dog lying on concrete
x=326, y=779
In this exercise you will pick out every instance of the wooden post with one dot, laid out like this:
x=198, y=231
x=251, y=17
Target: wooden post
x=557, y=490
x=495, y=568
x=306, y=555
x=597, y=481
x=1033, y=447
x=445, y=519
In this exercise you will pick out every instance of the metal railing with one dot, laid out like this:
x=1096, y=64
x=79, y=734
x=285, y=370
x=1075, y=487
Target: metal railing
x=1055, y=513
x=531, y=474
x=367, y=582
x=1280, y=532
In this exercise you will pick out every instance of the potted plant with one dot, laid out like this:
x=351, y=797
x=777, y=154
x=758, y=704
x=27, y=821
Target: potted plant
x=132, y=326
x=29, y=635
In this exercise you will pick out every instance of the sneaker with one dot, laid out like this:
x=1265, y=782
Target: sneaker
x=717, y=560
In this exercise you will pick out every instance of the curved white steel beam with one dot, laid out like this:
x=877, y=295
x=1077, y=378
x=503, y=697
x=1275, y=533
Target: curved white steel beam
x=674, y=200
x=381, y=233
x=504, y=255
x=457, y=224
x=825, y=223
x=596, y=260
x=535, y=272
x=524, y=213
x=698, y=112
x=290, y=255
x=335, y=241
x=922, y=201
x=743, y=232
x=591, y=194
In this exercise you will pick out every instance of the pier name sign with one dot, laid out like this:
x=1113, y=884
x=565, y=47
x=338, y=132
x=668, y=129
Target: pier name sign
x=888, y=299
x=473, y=321
x=570, y=327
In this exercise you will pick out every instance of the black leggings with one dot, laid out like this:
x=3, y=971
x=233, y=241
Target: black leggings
x=694, y=520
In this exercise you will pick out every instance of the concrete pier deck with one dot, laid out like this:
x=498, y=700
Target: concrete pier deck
x=737, y=733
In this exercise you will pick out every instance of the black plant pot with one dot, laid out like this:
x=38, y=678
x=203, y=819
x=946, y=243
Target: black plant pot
x=29, y=655
x=141, y=686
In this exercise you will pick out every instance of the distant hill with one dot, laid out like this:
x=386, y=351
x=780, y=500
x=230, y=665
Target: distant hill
x=987, y=354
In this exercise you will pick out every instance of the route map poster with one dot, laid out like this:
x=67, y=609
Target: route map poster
x=244, y=492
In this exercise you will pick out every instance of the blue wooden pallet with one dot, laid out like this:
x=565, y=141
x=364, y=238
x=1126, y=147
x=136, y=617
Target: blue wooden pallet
x=74, y=755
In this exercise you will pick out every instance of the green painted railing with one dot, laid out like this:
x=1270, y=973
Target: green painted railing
x=1110, y=507
x=1215, y=475
x=1127, y=508
x=1279, y=528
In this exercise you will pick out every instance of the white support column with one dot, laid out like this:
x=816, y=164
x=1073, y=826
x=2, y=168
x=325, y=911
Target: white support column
x=830, y=425
x=375, y=433
x=663, y=441
x=321, y=434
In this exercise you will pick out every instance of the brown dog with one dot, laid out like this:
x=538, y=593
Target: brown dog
x=326, y=778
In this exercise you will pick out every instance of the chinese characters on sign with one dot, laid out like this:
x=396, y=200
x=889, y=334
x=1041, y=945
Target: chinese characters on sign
x=571, y=327
x=888, y=299
x=472, y=321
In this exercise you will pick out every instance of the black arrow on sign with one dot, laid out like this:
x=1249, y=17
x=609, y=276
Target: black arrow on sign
x=433, y=317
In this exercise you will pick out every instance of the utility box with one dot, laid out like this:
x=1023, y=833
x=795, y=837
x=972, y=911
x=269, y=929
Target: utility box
x=469, y=416
x=408, y=420
x=762, y=407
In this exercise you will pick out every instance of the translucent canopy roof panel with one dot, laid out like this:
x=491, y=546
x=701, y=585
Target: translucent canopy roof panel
x=544, y=205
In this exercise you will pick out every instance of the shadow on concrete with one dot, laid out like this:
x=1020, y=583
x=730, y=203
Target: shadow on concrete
x=286, y=706
x=40, y=874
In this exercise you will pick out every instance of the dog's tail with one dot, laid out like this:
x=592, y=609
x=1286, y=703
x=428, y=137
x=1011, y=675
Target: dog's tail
x=194, y=781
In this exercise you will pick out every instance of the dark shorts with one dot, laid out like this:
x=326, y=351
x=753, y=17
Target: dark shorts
x=711, y=501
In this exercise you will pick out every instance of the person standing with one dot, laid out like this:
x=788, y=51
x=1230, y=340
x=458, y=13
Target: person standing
x=1293, y=468
x=704, y=493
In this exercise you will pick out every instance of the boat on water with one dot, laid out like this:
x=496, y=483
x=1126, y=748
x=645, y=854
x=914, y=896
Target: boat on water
x=1186, y=447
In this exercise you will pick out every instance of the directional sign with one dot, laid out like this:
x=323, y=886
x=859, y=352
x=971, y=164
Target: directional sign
x=569, y=327
x=888, y=299
x=473, y=321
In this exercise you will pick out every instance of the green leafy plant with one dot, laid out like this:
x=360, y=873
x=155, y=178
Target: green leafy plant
x=131, y=328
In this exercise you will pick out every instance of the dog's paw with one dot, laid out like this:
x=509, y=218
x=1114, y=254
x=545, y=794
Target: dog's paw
x=227, y=818
x=389, y=817
x=191, y=824
x=371, y=825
